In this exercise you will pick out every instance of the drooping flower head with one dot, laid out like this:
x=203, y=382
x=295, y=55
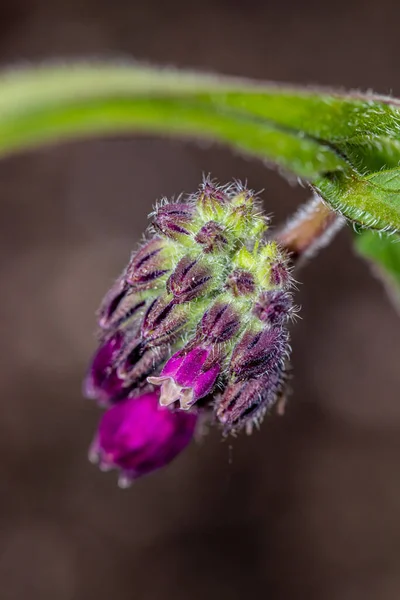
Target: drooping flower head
x=200, y=313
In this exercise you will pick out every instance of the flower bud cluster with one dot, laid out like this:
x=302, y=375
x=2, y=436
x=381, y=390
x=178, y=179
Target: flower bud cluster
x=197, y=320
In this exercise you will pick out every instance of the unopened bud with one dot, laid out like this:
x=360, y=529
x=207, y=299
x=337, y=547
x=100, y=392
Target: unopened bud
x=150, y=263
x=259, y=351
x=245, y=403
x=121, y=309
x=211, y=236
x=190, y=280
x=280, y=274
x=220, y=323
x=138, y=436
x=273, y=307
x=140, y=361
x=173, y=219
x=241, y=283
x=111, y=301
x=212, y=197
x=162, y=321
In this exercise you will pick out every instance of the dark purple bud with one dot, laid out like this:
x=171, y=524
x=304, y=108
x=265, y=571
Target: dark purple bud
x=280, y=274
x=220, y=323
x=258, y=352
x=188, y=376
x=102, y=382
x=111, y=301
x=148, y=264
x=138, y=362
x=211, y=237
x=120, y=308
x=190, y=280
x=273, y=307
x=173, y=219
x=241, y=283
x=211, y=196
x=245, y=403
x=138, y=436
x=162, y=322
x=242, y=212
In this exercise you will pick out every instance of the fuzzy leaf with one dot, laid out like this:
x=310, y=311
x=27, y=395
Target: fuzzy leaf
x=372, y=201
x=347, y=146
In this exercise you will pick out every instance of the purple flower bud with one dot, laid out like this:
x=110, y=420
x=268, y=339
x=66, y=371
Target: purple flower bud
x=102, y=382
x=188, y=376
x=148, y=264
x=241, y=283
x=138, y=436
x=190, y=280
x=220, y=323
x=111, y=302
x=211, y=237
x=120, y=308
x=212, y=196
x=245, y=402
x=172, y=219
x=257, y=352
x=241, y=212
x=162, y=321
x=280, y=274
x=139, y=362
x=273, y=307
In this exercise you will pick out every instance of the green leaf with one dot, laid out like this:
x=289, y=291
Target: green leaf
x=372, y=201
x=347, y=146
x=383, y=254
x=54, y=104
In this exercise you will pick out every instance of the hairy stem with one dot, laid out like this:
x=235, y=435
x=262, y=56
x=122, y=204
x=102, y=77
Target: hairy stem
x=311, y=228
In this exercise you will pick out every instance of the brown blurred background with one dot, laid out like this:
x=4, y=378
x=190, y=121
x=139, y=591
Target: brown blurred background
x=309, y=507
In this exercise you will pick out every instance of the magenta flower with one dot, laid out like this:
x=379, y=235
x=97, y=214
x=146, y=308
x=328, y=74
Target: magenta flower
x=138, y=436
x=188, y=376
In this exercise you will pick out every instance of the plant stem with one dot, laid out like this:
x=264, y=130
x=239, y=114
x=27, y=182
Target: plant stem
x=310, y=229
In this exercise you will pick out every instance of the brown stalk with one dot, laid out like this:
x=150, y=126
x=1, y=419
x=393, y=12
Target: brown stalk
x=310, y=229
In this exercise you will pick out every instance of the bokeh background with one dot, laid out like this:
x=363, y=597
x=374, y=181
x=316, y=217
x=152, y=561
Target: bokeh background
x=309, y=507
